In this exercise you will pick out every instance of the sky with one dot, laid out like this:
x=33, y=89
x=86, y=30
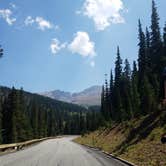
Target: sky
x=68, y=45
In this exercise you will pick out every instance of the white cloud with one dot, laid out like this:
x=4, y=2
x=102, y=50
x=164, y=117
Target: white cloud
x=6, y=14
x=41, y=23
x=104, y=12
x=56, y=46
x=29, y=21
x=82, y=45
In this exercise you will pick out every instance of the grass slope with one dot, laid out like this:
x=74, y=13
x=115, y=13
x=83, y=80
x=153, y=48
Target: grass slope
x=137, y=141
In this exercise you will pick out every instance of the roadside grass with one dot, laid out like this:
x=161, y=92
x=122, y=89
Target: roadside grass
x=137, y=140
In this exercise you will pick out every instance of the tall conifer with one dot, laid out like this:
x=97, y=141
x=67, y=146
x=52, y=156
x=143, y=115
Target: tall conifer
x=1, y=130
x=142, y=59
x=118, y=68
x=156, y=44
x=117, y=101
x=135, y=93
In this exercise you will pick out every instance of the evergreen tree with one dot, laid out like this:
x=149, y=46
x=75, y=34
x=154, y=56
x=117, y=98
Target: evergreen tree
x=117, y=101
x=148, y=102
x=142, y=59
x=164, y=47
x=111, y=95
x=117, y=105
x=107, y=100
x=103, y=101
x=83, y=125
x=164, y=38
x=34, y=120
x=6, y=121
x=23, y=128
x=118, y=68
x=53, y=124
x=1, y=130
x=163, y=63
x=156, y=44
x=144, y=84
x=153, y=80
x=42, y=123
x=11, y=116
x=148, y=53
x=126, y=91
x=127, y=70
x=111, y=82
x=135, y=93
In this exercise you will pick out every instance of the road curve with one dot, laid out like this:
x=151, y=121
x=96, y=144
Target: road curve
x=58, y=152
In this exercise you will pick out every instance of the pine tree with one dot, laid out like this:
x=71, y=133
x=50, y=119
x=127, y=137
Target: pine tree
x=125, y=89
x=144, y=83
x=118, y=68
x=127, y=69
x=163, y=63
x=23, y=128
x=111, y=82
x=6, y=120
x=164, y=38
x=148, y=53
x=117, y=101
x=164, y=47
x=103, y=101
x=34, y=121
x=117, y=105
x=111, y=87
x=107, y=100
x=41, y=123
x=83, y=125
x=156, y=44
x=153, y=80
x=142, y=59
x=148, y=102
x=14, y=108
x=1, y=130
x=135, y=93
x=53, y=124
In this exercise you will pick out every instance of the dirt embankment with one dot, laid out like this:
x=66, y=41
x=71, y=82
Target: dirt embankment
x=138, y=140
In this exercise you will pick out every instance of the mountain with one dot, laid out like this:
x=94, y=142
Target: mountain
x=34, y=116
x=88, y=97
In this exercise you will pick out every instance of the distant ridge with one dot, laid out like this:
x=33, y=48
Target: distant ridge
x=88, y=97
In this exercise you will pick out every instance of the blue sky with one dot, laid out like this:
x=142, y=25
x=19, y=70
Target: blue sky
x=68, y=45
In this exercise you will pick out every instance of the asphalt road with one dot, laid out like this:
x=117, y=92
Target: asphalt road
x=58, y=152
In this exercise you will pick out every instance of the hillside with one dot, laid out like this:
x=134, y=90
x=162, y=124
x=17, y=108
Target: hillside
x=52, y=103
x=25, y=116
x=137, y=140
x=88, y=97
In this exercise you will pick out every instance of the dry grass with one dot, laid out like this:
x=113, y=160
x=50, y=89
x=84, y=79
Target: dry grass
x=137, y=141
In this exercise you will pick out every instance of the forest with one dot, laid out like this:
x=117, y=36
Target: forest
x=25, y=116
x=135, y=92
